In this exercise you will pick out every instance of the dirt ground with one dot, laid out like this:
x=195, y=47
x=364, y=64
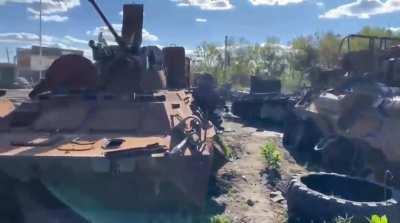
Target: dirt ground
x=249, y=190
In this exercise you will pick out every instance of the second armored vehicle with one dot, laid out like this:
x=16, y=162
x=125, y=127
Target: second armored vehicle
x=350, y=118
x=264, y=102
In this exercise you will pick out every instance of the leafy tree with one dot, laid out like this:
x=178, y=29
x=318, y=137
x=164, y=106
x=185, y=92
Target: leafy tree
x=270, y=58
x=328, y=51
x=208, y=59
x=291, y=65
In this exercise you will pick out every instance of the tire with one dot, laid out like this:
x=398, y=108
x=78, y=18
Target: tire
x=9, y=207
x=301, y=135
x=333, y=160
x=246, y=110
x=295, y=134
x=310, y=199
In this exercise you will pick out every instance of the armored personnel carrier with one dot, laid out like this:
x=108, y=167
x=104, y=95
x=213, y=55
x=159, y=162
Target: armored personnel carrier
x=349, y=120
x=264, y=102
x=119, y=135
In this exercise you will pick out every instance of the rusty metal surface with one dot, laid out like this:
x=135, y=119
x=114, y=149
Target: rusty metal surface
x=124, y=131
x=132, y=25
x=351, y=113
x=175, y=62
x=69, y=73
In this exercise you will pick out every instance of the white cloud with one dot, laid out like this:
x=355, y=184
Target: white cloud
x=19, y=38
x=320, y=4
x=363, y=9
x=394, y=29
x=74, y=40
x=118, y=27
x=274, y=2
x=206, y=4
x=203, y=20
x=27, y=39
x=49, y=8
x=227, y=4
x=47, y=18
x=32, y=39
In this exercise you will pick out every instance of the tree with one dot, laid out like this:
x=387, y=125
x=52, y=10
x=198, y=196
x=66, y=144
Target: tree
x=270, y=58
x=208, y=59
x=306, y=53
x=328, y=51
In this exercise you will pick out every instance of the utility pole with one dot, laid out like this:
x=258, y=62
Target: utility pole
x=8, y=55
x=226, y=59
x=226, y=53
x=40, y=40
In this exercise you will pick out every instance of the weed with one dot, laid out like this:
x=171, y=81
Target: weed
x=343, y=219
x=373, y=219
x=228, y=152
x=378, y=219
x=272, y=156
x=220, y=219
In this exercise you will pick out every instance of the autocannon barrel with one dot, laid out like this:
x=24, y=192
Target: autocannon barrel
x=118, y=39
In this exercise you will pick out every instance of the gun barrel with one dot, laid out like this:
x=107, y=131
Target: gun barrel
x=118, y=39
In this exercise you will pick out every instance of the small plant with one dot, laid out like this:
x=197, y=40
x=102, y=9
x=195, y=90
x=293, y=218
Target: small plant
x=228, y=152
x=378, y=219
x=343, y=219
x=272, y=155
x=220, y=219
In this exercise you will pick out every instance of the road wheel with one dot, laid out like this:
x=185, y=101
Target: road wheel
x=9, y=208
x=295, y=134
x=321, y=197
x=338, y=155
x=301, y=135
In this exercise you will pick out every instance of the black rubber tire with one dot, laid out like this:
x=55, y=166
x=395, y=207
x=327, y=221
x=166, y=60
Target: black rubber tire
x=333, y=160
x=246, y=110
x=9, y=207
x=301, y=135
x=295, y=135
x=308, y=205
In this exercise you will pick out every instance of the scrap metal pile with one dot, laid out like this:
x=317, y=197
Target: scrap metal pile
x=349, y=122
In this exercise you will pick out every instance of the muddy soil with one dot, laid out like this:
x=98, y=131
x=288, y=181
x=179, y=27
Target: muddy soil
x=249, y=192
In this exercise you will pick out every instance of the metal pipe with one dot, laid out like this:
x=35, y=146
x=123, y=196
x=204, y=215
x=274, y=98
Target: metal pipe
x=118, y=39
x=40, y=40
x=388, y=176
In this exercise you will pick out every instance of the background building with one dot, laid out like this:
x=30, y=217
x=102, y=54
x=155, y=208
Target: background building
x=7, y=75
x=29, y=62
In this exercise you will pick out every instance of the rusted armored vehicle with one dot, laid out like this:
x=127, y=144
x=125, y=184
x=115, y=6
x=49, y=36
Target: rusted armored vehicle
x=264, y=102
x=352, y=124
x=119, y=135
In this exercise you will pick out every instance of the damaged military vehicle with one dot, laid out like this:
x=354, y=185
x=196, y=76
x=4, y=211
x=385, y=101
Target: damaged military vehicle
x=264, y=102
x=119, y=135
x=350, y=119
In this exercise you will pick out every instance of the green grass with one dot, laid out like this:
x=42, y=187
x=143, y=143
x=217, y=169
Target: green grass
x=220, y=219
x=373, y=219
x=378, y=219
x=271, y=155
x=228, y=152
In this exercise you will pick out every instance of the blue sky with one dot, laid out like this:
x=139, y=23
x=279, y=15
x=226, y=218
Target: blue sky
x=71, y=23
